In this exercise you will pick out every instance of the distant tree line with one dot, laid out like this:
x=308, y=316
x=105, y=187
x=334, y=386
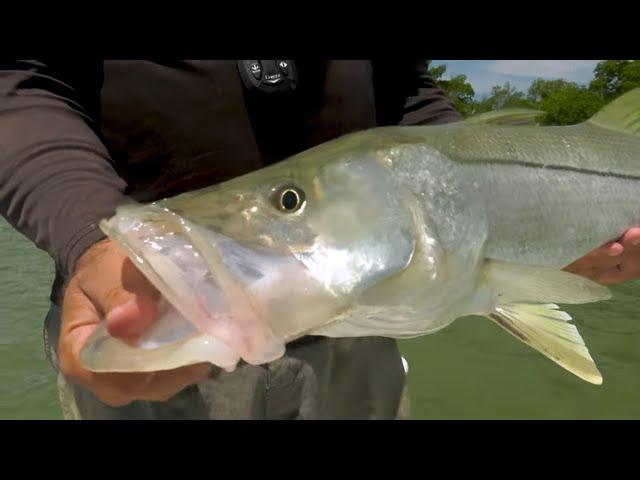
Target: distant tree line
x=564, y=102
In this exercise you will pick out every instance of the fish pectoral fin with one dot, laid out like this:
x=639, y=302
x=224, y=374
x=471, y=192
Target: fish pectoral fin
x=547, y=329
x=507, y=116
x=534, y=284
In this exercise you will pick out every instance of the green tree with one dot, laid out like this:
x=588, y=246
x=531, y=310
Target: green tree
x=569, y=105
x=631, y=76
x=565, y=102
x=437, y=72
x=540, y=89
x=457, y=89
x=615, y=77
x=503, y=96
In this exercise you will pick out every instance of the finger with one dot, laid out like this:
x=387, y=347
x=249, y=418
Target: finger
x=133, y=280
x=168, y=383
x=128, y=284
x=128, y=301
x=130, y=306
x=132, y=317
x=603, y=258
x=79, y=319
x=605, y=255
x=109, y=278
x=591, y=274
x=613, y=249
x=610, y=277
x=628, y=269
x=117, y=389
x=631, y=238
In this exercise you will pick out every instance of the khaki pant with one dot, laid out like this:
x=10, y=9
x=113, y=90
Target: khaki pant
x=318, y=378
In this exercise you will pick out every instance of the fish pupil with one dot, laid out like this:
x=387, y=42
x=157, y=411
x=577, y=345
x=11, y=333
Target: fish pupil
x=290, y=200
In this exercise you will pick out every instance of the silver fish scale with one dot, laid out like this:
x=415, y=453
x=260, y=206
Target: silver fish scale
x=582, y=147
x=551, y=194
x=447, y=196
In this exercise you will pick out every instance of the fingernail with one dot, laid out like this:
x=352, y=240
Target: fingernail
x=614, y=253
x=636, y=242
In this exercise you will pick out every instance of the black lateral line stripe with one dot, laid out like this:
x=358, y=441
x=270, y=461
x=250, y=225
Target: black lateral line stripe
x=559, y=167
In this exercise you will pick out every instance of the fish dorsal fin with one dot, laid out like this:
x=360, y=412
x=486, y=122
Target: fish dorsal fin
x=622, y=114
x=507, y=116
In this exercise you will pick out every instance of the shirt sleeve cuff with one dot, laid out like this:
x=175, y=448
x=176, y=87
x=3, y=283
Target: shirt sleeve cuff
x=76, y=246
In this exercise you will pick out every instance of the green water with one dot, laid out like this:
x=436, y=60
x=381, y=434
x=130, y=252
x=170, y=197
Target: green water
x=471, y=370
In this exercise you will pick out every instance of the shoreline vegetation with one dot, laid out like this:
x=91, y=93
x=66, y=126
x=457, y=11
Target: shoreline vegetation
x=564, y=102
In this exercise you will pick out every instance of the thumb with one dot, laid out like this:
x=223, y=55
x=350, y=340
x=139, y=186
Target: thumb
x=130, y=307
x=118, y=290
x=132, y=314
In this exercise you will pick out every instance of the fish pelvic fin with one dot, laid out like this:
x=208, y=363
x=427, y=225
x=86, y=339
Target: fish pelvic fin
x=622, y=114
x=522, y=300
x=547, y=329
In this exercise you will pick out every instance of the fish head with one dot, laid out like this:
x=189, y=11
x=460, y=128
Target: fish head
x=263, y=258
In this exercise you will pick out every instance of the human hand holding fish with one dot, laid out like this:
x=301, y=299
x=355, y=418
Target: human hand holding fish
x=107, y=285
x=614, y=262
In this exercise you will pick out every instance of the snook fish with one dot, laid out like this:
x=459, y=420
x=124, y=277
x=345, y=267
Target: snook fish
x=393, y=231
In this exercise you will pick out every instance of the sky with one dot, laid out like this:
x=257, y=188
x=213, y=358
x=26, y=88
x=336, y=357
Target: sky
x=484, y=74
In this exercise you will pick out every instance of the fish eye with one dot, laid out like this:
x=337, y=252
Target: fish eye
x=289, y=199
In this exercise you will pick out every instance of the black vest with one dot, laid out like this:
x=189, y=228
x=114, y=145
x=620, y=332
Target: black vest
x=176, y=126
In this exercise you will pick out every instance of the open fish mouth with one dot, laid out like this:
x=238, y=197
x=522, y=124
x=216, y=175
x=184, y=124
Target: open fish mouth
x=210, y=313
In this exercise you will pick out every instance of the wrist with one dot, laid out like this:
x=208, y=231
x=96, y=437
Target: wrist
x=83, y=245
x=92, y=252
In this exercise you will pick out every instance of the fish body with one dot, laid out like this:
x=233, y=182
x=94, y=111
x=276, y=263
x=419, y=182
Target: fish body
x=393, y=231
